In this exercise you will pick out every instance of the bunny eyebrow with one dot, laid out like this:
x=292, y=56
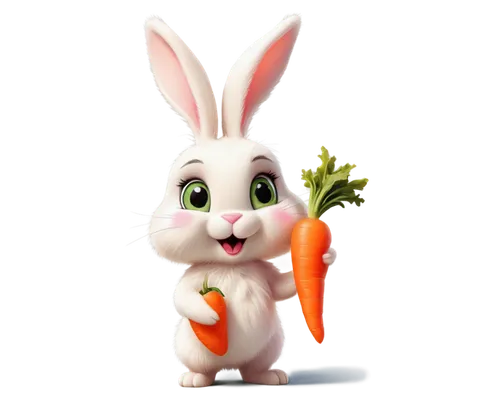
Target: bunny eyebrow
x=194, y=161
x=261, y=158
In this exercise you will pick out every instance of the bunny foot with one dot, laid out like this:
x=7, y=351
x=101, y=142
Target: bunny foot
x=271, y=377
x=195, y=379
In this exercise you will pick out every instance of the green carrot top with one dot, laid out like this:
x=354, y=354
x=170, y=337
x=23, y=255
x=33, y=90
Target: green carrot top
x=331, y=187
x=205, y=289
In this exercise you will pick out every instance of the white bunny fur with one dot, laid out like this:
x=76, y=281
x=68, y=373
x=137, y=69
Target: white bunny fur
x=251, y=285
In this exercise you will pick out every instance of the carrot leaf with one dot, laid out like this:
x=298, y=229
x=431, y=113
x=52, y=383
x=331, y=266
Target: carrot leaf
x=330, y=187
x=205, y=289
x=214, y=289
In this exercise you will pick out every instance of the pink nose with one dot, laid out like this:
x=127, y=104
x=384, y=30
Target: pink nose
x=232, y=218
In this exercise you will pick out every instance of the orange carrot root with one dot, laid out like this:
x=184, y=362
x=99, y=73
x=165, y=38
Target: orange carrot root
x=214, y=337
x=311, y=239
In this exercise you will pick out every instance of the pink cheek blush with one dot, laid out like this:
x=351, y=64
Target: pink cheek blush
x=283, y=218
x=181, y=219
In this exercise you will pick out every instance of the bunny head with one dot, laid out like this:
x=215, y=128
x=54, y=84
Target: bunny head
x=226, y=200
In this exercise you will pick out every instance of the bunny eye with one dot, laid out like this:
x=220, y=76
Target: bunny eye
x=263, y=192
x=195, y=196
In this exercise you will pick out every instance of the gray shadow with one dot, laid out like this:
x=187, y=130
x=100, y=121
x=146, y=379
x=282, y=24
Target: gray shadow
x=317, y=377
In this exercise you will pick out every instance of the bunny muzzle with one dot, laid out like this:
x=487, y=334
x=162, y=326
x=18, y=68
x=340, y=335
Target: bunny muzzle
x=232, y=229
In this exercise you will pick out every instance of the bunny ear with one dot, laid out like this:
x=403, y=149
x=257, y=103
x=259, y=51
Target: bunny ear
x=181, y=79
x=255, y=74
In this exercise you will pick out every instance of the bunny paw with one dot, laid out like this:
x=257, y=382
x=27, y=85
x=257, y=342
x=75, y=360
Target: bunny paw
x=195, y=379
x=271, y=377
x=329, y=257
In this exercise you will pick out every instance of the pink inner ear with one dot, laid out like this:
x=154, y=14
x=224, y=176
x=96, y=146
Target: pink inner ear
x=267, y=74
x=171, y=78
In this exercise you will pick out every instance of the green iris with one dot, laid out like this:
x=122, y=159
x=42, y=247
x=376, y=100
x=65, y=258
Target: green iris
x=263, y=192
x=196, y=196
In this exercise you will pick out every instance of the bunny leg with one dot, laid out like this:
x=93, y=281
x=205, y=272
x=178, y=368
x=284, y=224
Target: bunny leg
x=198, y=360
x=257, y=371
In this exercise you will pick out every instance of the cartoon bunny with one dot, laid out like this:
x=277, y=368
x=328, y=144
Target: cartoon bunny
x=226, y=209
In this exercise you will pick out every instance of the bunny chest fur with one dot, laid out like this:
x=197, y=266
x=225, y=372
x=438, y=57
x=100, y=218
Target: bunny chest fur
x=251, y=310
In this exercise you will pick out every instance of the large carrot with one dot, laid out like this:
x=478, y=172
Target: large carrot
x=311, y=237
x=214, y=337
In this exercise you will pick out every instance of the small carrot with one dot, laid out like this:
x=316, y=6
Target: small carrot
x=311, y=237
x=214, y=337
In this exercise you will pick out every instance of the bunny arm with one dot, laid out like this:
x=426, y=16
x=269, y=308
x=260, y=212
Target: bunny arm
x=190, y=304
x=182, y=295
x=283, y=286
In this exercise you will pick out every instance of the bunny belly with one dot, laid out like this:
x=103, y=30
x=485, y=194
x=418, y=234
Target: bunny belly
x=242, y=349
x=251, y=317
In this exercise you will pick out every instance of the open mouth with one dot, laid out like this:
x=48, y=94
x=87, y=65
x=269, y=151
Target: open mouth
x=232, y=245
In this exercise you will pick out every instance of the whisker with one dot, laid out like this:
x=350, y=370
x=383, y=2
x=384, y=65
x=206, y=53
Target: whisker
x=138, y=240
x=298, y=214
x=285, y=204
x=137, y=226
x=164, y=229
x=140, y=213
x=139, y=223
x=142, y=234
x=290, y=206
